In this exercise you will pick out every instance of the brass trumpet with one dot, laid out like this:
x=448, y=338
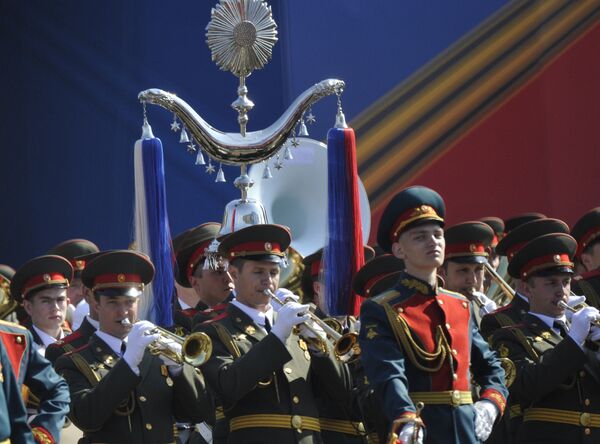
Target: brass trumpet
x=196, y=348
x=345, y=346
x=506, y=289
x=563, y=304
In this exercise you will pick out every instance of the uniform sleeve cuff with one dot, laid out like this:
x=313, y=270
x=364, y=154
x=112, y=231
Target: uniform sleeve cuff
x=42, y=436
x=495, y=397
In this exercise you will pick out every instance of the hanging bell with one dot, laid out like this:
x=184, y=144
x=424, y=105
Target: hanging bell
x=200, y=158
x=288, y=154
x=267, y=172
x=303, y=131
x=220, y=174
x=184, y=136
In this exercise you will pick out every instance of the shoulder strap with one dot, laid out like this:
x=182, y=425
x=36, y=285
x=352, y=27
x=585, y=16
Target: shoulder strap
x=227, y=339
x=386, y=296
x=85, y=369
x=504, y=320
x=522, y=339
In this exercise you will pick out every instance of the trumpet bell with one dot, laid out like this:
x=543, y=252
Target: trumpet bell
x=347, y=349
x=197, y=349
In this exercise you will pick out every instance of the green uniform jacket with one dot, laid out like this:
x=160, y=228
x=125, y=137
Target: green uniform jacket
x=254, y=373
x=111, y=404
x=77, y=339
x=551, y=373
x=588, y=284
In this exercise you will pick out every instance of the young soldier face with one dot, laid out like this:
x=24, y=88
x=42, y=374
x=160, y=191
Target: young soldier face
x=544, y=293
x=76, y=291
x=463, y=278
x=591, y=257
x=47, y=308
x=421, y=247
x=252, y=279
x=112, y=310
x=211, y=286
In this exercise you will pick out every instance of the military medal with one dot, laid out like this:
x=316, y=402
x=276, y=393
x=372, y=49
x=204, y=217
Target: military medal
x=307, y=355
x=169, y=381
x=250, y=330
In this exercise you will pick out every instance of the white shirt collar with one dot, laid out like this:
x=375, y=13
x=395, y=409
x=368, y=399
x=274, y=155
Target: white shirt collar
x=46, y=338
x=258, y=317
x=522, y=297
x=183, y=305
x=111, y=341
x=549, y=320
x=94, y=323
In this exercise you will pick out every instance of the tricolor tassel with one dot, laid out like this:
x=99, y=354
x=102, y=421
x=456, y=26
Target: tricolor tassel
x=152, y=233
x=344, y=254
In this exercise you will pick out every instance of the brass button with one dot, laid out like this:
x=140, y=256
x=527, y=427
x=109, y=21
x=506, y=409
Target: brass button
x=440, y=302
x=447, y=326
x=297, y=422
x=296, y=400
x=19, y=340
x=400, y=310
x=464, y=304
x=582, y=373
x=454, y=376
x=454, y=352
x=587, y=431
x=585, y=419
x=287, y=370
x=148, y=426
x=142, y=398
x=455, y=397
x=587, y=401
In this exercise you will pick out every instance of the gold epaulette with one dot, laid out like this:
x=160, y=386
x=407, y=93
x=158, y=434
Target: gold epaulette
x=12, y=324
x=227, y=339
x=462, y=297
x=386, y=296
x=84, y=367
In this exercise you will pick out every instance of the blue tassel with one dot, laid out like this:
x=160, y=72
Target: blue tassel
x=159, y=236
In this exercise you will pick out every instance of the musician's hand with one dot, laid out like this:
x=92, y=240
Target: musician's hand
x=594, y=335
x=573, y=301
x=283, y=293
x=173, y=366
x=485, y=416
x=407, y=434
x=290, y=315
x=137, y=341
x=488, y=305
x=581, y=322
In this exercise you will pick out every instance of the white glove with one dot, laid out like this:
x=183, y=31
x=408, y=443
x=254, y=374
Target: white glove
x=290, y=315
x=176, y=347
x=581, y=322
x=137, y=341
x=573, y=301
x=594, y=335
x=283, y=293
x=485, y=416
x=488, y=305
x=407, y=433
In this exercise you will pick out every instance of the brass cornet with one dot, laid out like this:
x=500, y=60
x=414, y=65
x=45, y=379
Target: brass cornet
x=345, y=347
x=196, y=348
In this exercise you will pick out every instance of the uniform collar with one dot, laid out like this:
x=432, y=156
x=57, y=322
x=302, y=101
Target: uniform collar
x=549, y=320
x=414, y=283
x=258, y=317
x=46, y=338
x=183, y=305
x=93, y=323
x=111, y=341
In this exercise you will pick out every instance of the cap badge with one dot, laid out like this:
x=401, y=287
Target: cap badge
x=268, y=246
x=557, y=258
x=473, y=248
x=79, y=264
x=121, y=277
x=47, y=278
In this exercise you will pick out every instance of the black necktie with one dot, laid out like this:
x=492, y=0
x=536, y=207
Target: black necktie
x=561, y=327
x=267, y=325
x=123, y=348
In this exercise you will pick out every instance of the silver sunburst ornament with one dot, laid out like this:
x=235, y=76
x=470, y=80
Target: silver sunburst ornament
x=241, y=35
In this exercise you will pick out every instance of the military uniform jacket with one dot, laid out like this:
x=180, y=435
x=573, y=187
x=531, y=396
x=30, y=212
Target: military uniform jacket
x=550, y=373
x=511, y=314
x=588, y=284
x=416, y=340
x=77, y=339
x=37, y=374
x=111, y=404
x=254, y=373
x=13, y=419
